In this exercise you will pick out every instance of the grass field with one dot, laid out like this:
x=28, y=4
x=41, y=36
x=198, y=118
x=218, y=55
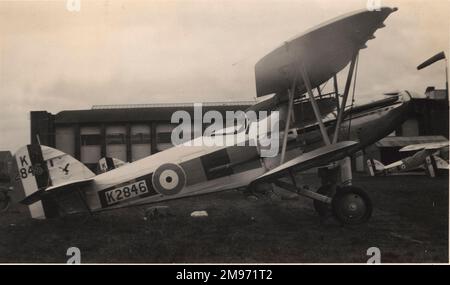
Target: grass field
x=409, y=224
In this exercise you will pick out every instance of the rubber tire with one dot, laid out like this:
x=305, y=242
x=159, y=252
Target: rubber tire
x=342, y=217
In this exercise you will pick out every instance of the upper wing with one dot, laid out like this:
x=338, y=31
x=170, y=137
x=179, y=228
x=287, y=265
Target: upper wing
x=317, y=157
x=323, y=51
x=266, y=102
x=430, y=146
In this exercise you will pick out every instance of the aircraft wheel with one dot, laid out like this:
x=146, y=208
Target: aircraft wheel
x=4, y=201
x=323, y=209
x=351, y=206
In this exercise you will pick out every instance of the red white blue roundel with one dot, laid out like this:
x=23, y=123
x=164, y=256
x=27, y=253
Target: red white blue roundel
x=169, y=179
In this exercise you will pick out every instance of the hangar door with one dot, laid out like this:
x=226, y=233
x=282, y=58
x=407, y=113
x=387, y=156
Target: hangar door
x=116, y=142
x=163, y=134
x=91, y=141
x=140, y=141
x=65, y=140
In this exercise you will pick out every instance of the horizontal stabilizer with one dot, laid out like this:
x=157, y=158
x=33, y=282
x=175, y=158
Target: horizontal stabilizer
x=66, y=187
x=315, y=158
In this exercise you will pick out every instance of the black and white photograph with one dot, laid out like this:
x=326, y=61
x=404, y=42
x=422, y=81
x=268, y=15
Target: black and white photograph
x=224, y=132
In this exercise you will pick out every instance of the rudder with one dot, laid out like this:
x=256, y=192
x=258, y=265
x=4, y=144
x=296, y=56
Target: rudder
x=39, y=167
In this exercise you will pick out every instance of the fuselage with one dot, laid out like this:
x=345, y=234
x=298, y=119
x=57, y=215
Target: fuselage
x=365, y=124
x=206, y=169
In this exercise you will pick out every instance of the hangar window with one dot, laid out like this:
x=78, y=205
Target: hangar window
x=140, y=141
x=164, y=137
x=65, y=139
x=115, y=135
x=91, y=139
x=140, y=138
x=115, y=138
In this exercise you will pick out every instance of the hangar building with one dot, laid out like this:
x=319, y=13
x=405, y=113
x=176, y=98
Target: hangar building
x=126, y=132
x=131, y=132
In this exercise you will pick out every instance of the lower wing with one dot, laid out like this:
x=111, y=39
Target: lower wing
x=315, y=158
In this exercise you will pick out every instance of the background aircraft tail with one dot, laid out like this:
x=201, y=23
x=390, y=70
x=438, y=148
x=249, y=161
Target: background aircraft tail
x=375, y=167
x=435, y=166
x=106, y=164
x=36, y=168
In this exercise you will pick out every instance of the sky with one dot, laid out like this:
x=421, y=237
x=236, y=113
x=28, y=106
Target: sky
x=129, y=52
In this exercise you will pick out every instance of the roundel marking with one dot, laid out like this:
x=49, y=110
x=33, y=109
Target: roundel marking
x=169, y=179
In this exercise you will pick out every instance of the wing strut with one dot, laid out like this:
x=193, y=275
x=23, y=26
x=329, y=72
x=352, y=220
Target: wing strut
x=344, y=98
x=314, y=105
x=336, y=91
x=291, y=93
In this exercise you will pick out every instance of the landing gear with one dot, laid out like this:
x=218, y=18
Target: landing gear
x=351, y=206
x=329, y=180
x=323, y=209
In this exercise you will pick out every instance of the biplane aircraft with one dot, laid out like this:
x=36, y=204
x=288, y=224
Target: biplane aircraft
x=430, y=157
x=53, y=183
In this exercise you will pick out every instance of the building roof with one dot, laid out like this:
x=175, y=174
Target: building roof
x=404, y=141
x=140, y=113
x=161, y=105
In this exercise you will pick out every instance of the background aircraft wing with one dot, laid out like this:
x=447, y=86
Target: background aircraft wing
x=430, y=146
x=315, y=158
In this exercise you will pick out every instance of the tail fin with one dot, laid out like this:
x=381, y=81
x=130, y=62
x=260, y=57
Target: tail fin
x=38, y=167
x=375, y=167
x=441, y=163
x=435, y=166
x=106, y=164
x=442, y=166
